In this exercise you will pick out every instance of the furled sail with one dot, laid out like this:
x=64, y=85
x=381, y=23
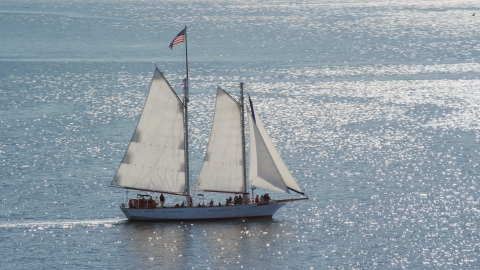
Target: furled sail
x=267, y=169
x=155, y=158
x=222, y=168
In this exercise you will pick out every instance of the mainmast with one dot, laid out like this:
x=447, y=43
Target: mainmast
x=242, y=119
x=185, y=102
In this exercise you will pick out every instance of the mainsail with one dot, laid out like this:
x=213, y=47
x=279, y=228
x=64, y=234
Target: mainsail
x=267, y=168
x=222, y=168
x=155, y=159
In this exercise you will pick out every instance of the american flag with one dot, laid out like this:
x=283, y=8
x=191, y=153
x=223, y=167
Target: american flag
x=178, y=39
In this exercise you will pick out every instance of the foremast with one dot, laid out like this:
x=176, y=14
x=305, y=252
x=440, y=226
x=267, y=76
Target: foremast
x=242, y=120
x=185, y=117
x=157, y=157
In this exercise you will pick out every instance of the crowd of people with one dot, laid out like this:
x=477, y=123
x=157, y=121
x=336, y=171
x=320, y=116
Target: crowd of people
x=264, y=198
x=159, y=202
x=236, y=200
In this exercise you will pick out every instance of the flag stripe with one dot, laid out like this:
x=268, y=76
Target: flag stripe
x=178, y=39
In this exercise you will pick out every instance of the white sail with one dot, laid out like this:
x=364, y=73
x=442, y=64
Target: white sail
x=267, y=169
x=222, y=168
x=155, y=158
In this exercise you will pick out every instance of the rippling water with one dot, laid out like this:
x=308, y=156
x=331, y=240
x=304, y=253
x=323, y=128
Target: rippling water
x=374, y=106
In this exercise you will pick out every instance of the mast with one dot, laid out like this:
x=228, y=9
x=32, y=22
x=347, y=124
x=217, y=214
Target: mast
x=185, y=101
x=242, y=119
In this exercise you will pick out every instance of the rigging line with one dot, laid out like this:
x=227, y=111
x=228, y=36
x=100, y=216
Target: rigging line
x=190, y=35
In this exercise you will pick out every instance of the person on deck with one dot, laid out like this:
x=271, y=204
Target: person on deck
x=257, y=200
x=190, y=201
x=151, y=203
x=162, y=200
x=130, y=203
x=211, y=202
x=143, y=203
x=157, y=201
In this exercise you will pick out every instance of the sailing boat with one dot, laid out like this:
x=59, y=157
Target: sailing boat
x=157, y=158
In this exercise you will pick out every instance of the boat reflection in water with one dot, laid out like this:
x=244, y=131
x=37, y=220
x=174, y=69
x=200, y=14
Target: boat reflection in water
x=174, y=244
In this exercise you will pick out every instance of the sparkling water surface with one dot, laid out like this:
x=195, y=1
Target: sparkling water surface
x=374, y=106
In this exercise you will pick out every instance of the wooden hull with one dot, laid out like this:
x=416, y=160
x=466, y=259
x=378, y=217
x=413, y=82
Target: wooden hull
x=247, y=211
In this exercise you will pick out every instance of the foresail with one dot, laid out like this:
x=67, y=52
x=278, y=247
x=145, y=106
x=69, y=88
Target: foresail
x=267, y=168
x=155, y=158
x=222, y=168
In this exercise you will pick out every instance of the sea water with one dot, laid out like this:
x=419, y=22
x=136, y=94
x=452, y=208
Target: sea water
x=374, y=106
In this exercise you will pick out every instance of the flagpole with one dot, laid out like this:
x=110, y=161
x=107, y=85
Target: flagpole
x=186, y=60
x=185, y=97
